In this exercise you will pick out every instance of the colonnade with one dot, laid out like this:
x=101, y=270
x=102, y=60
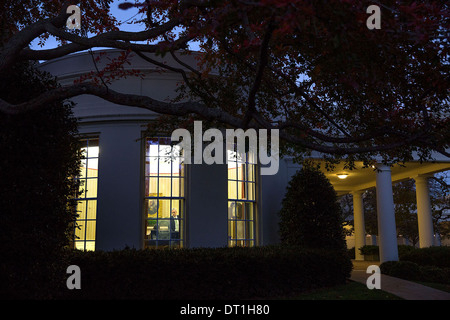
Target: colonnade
x=387, y=234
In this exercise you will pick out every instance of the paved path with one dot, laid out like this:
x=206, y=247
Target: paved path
x=404, y=289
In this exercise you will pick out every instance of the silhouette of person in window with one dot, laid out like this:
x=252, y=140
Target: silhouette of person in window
x=174, y=225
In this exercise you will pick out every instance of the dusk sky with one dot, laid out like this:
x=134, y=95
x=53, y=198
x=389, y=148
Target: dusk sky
x=124, y=16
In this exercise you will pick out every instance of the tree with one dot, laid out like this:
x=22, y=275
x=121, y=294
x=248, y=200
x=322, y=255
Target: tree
x=311, y=216
x=404, y=193
x=311, y=69
x=39, y=154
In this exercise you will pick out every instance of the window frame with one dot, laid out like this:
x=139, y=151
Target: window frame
x=180, y=241
x=82, y=198
x=254, y=240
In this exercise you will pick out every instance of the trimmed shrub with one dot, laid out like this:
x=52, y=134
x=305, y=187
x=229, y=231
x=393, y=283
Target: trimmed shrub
x=369, y=250
x=432, y=256
x=351, y=253
x=374, y=249
x=412, y=271
x=435, y=274
x=206, y=273
x=404, y=249
x=386, y=267
x=311, y=216
x=406, y=270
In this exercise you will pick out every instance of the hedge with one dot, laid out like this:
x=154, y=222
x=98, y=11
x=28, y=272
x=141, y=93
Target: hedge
x=425, y=264
x=412, y=271
x=206, y=273
x=432, y=256
x=374, y=250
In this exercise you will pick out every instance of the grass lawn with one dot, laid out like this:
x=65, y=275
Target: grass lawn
x=350, y=291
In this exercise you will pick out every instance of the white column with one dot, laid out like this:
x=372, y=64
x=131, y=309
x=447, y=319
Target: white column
x=387, y=233
x=424, y=217
x=358, y=221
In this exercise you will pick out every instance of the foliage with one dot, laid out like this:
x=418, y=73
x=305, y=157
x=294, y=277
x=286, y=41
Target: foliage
x=432, y=256
x=369, y=250
x=310, y=215
x=374, y=250
x=425, y=264
x=404, y=270
x=311, y=69
x=39, y=153
x=206, y=273
x=412, y=271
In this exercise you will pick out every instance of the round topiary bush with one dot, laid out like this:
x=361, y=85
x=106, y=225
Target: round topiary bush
x=311, y=216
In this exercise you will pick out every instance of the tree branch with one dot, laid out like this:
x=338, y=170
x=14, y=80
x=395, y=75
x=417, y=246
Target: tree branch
x=262, y=63
x=180, y=109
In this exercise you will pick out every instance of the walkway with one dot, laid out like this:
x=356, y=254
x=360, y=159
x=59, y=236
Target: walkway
x=404, y=289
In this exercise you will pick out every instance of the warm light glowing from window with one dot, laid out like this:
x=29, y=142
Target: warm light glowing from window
x=87, y=202
x=164, y=194
x=241, y=199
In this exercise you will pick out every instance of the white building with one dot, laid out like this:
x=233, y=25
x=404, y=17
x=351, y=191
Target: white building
x=132, y=189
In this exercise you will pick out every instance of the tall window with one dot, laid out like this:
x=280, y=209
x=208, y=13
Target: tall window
x=164, y=194
x=87, y=201
x=241, y=199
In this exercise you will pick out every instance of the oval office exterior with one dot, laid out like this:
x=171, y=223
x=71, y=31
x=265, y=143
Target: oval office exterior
x=138, y=193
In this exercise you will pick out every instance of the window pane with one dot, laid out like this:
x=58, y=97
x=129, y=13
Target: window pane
x=91, y=188
x=232, y=173
x=176, y=187
x=164, y=187
x=90, y=230
x=165, y=151
x=91, y=209
x=249, y=230
x=151, y=166
x=151, y=208
x=232, y=191
x=176, y=167
x=241, y=190
x=164, y=208
x=151, y=147
x=92, y=151
x=249, y=211
x=92, y=167
x=182, y=186
x=231, y=210
x=150, y=231
x=83, y=168
x=81, y=210
x=251, y=172
x=151, y=189
x=240, y=227
x=90, y=246
x=240, y=210
x=250, y=191
x=80, y=231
